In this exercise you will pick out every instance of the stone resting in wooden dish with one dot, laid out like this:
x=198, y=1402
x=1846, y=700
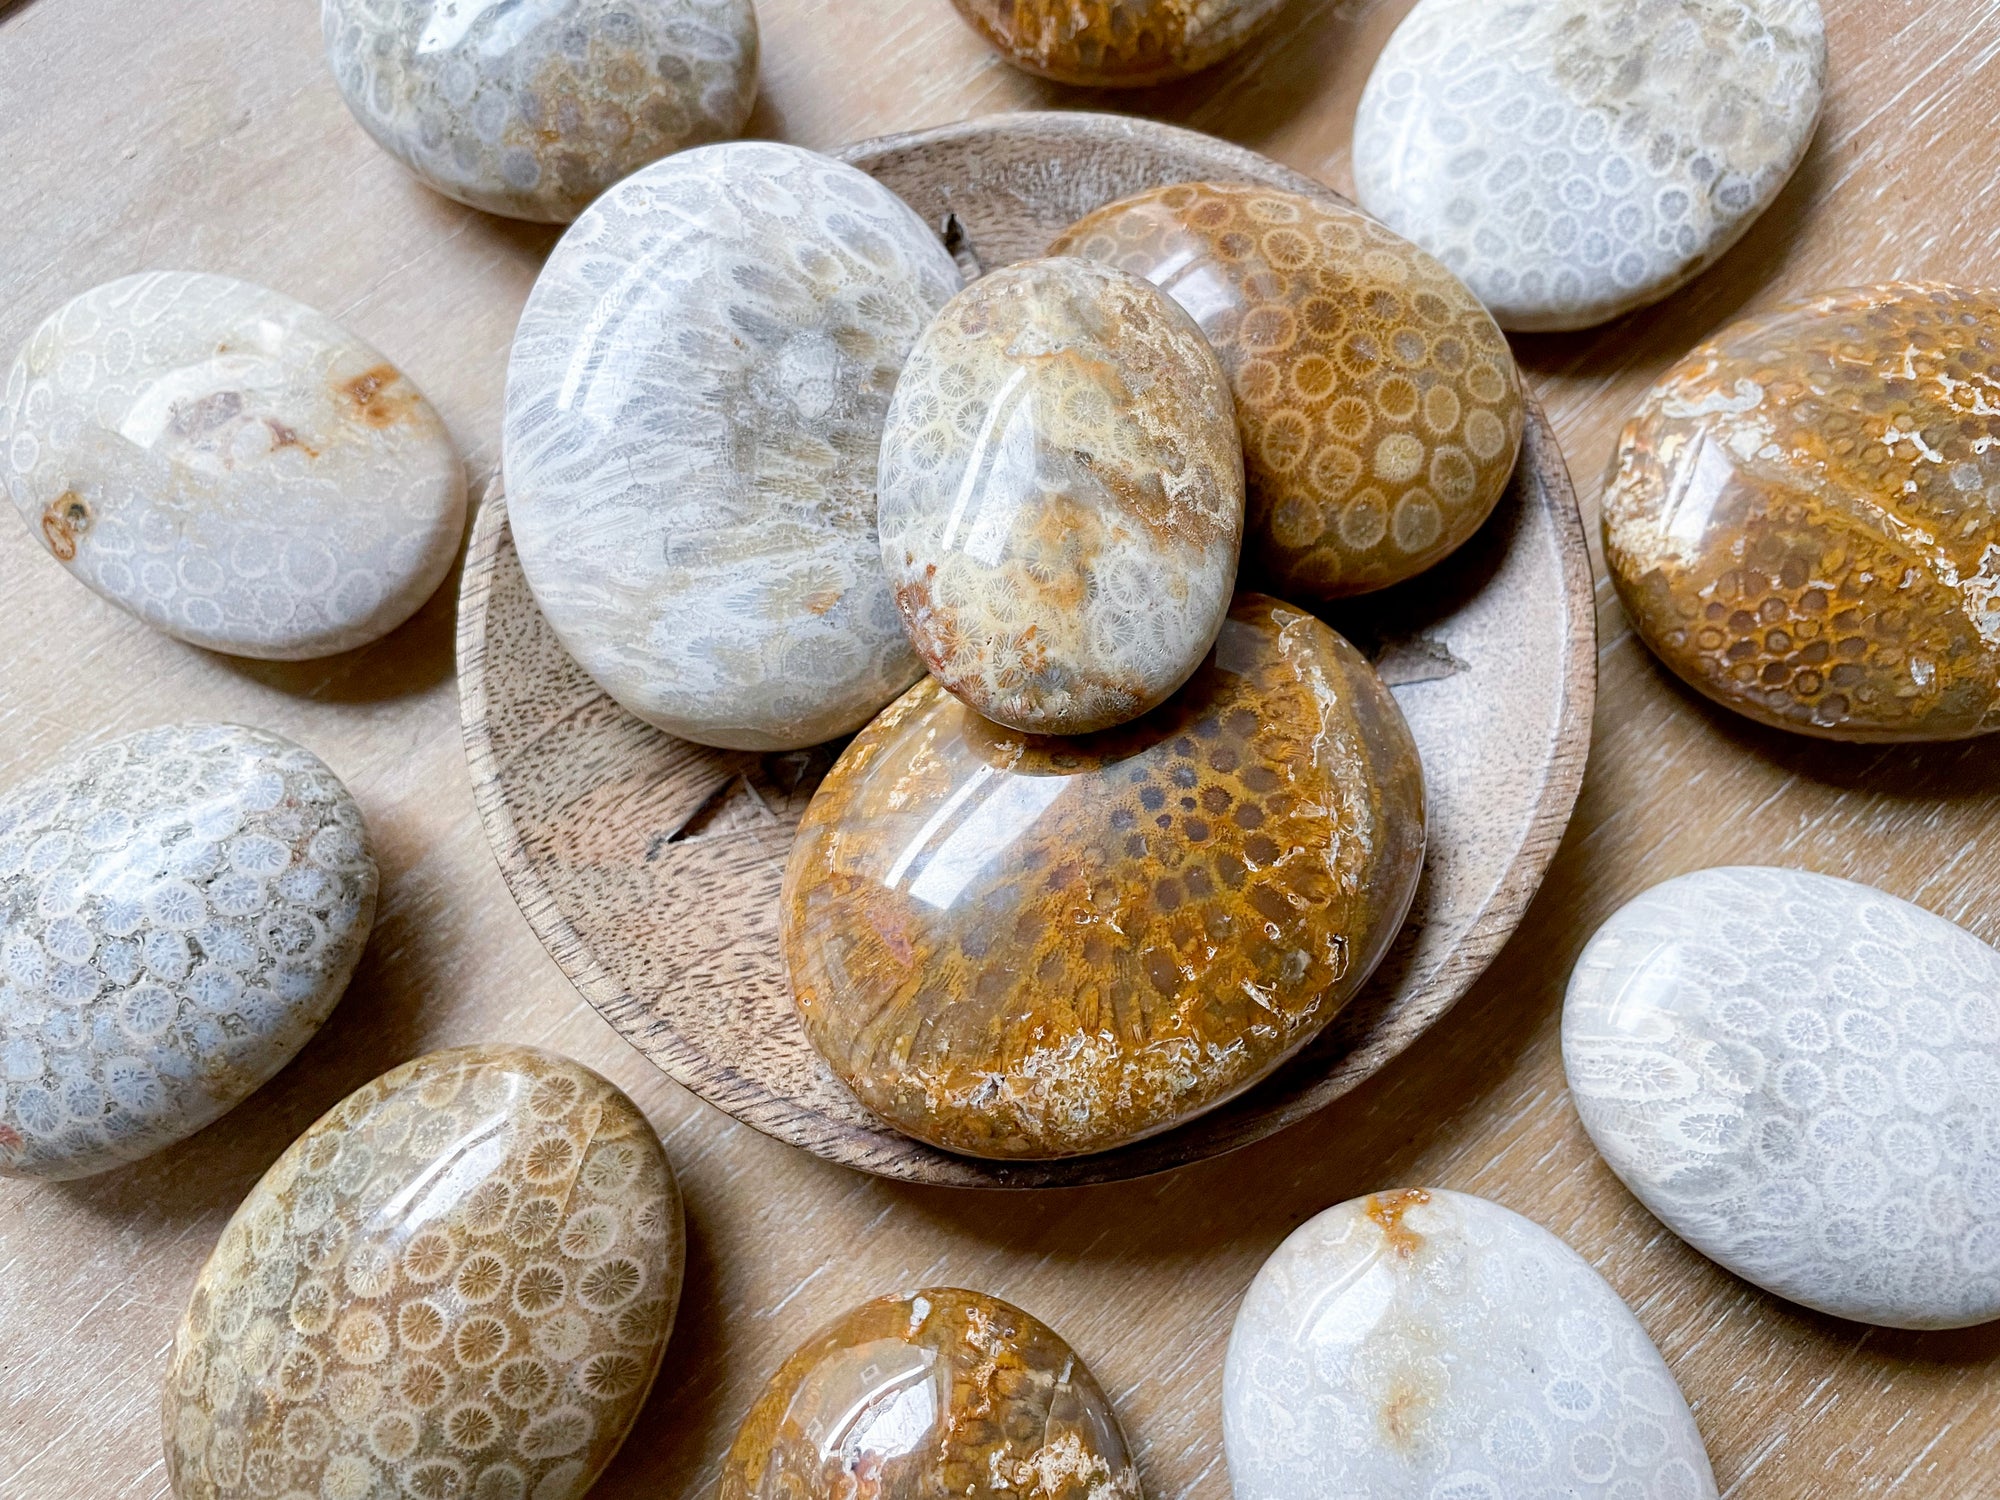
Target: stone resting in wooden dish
x=651, y=865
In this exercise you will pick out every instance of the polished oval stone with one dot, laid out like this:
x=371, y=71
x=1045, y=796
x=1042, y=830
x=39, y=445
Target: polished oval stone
x=1116, y=43
x=694, y=411
x=1802, y=517
x=932, y=1393
x=1380, y=407
x=1573, y=159
x=458, y=1283
x=1801, y=1077
x=1033, y=947
x=231, y=466
x=180, y=909
x=1430, y=1343
x=1061, y=496
x=533, y=110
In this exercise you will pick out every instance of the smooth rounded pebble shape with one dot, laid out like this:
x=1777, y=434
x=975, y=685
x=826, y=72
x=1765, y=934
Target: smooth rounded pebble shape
x=180, y=909
x=231, y=466
x=1061, y=496
x=929, y=1394
x=1430, y=1345
x=1116, y=43
x=1800, y=1076
x=694, y=412
x=1032, y=947
x=1803, y=517
x=458, y=1283
x=532, y=110
x=1576, y=159
x=1380, y=407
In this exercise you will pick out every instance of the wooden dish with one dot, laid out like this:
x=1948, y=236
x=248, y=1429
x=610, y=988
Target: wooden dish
x=650, y=867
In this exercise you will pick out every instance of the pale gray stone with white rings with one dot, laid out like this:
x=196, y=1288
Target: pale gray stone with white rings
x=1432, y=1345
x=180, y=909
x=230, y=465
x=695, y=404
x=1573, y=160
x=533, y=109
x=1800, y=1076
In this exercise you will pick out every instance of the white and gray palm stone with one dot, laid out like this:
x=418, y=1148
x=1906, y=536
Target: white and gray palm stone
x=694, y=407
x=180, y=909
x=531, y=108
x=1430, y=1345
x=1800, y=1076
x=230, y=466
x=1573, y=160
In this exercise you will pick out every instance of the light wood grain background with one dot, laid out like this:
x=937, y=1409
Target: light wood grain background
x=205, y=134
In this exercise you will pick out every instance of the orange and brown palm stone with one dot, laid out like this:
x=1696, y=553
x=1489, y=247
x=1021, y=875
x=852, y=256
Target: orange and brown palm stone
x=1116, y=43
x=1019, y=946
x=1380, y=408
x=457, y=1285
x=938, y=1393
x=1803, y=518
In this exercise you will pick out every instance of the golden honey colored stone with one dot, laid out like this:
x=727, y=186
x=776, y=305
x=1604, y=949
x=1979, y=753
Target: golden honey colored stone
x=1380, y=407
x=1116, y=43
x=1018, y=946
x=935, y=1393
x=1803, y=518
x=458, y=1283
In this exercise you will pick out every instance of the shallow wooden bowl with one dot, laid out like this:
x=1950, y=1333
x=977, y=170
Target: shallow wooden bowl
x=650, y=866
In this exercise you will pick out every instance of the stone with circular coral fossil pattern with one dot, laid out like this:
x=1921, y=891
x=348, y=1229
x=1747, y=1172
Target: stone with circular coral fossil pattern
x=1116, y=43
x=1380, y=407
x=1803, y=517
x=1061, y=496
x=1033, y=947
x=459, y=1282
x=1799, y=1075
x=231, y=466
x=1430, y=1343
x=694, y=412
x=933, y=1393
x=180, y=909
x=1576, y=159
x=533, y=110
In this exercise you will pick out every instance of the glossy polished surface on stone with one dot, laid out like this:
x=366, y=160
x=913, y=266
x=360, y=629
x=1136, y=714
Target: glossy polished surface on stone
x=1061, y=496
x=1380, y=407
x=1031, y=947
x=1800, y=1076
x=1116, y=43
x=458, y=1283
x=180, y=909
x=931, y=1394
x=230, y=466
x=532, y=110
x=1802, y=517
x=694, y=411
x=1426, y=1343
x=1576, y=159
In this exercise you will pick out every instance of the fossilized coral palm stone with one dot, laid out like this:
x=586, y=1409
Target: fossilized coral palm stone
x=458, y=1283
x=1035, y=947
x=1116, y=43
x=1061, y=496
x=1801, y=518
x=936, y=1393
x=1380, y=407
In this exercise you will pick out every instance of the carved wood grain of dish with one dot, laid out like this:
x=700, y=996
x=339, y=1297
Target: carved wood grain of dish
x=650, y=866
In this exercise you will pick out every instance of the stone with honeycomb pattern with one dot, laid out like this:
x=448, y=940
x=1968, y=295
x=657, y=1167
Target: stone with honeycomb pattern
x=457, y=1285
x=931, y=1393
x=1380, y=407
x=1116, y=43
x=1801, y=517
x=1025, y=947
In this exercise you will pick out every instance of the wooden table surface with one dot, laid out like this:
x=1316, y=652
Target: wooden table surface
x=206, y=134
